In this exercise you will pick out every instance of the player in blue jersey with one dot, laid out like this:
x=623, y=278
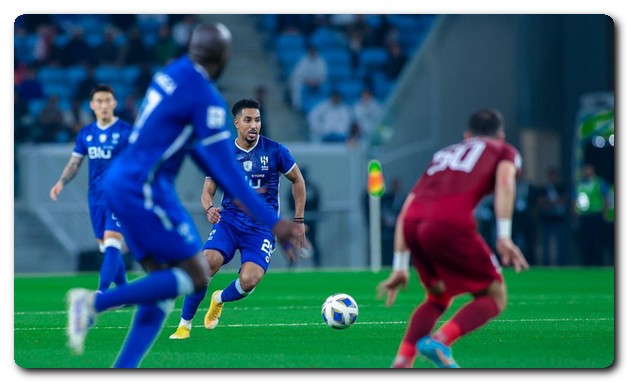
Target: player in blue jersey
x=262, y=162
x=101, y=141
x=182, y=114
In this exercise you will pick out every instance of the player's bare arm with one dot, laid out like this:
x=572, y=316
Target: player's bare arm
x=69, y=172
x=299, y=194
x=401, y=261
x=505, y=179
x=207, y=201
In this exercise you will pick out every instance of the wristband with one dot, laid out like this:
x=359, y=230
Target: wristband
x=299, y=220
x=504, y=228
x=401, y=261
x=209, y=208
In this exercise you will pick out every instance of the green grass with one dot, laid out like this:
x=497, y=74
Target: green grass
x=555, y=318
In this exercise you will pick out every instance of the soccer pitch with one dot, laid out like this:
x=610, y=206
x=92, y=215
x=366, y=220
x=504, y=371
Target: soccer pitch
x=555, y=318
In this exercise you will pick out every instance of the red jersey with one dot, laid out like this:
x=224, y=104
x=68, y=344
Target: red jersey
x=457, y=178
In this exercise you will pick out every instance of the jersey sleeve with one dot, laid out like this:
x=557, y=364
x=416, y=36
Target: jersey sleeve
x=79, y=144
x=285, y=161
x=511, y=154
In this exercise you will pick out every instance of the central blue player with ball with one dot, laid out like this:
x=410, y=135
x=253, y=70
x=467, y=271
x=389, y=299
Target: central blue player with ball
x=262, y=162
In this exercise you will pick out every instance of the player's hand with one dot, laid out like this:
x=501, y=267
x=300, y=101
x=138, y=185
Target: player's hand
x=291, y=237
x=213, y=215
x=510, y=254
x=56, y=190
x=390, y=286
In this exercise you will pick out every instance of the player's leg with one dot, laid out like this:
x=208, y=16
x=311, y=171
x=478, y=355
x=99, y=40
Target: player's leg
x=112, y=269
x=477, y=274
x=256, y=251
x=191, y=302
x=147, y=323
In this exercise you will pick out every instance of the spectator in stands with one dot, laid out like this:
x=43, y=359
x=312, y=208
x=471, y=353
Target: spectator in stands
x=31, y=88
x=134, y=51
x=590, y=206
x=396, y=61
x=524, y=222
x=77, y=51
x=108, y=51
x=142, y=81
x=552, y=207
x=22, y=121
x=310, y=73
x=182, y=30
x=84, y=88
x=165, y=48
x=367, y=113
x=45, y=51
x=76, y=117
x=123, y=21
x=129, y=109
x=51, y=126
x=330, y=120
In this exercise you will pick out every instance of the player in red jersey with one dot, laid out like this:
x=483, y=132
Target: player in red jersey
x=437, y=231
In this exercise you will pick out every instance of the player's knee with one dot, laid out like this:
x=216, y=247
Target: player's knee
x=442, y=299
x=249, y=280
x=214, y=260
x=497, y=291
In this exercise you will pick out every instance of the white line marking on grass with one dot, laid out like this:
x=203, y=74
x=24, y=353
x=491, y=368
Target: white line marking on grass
x=360, y=323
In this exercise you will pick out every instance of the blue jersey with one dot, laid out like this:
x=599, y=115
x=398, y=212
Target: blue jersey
x=182, y=113
x=262, y=166
x=101, y=145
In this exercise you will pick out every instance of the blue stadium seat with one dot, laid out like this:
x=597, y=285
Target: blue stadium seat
x=289, y=41
x=336, y=56
x=75, y=74
x=372, y=59
x=129, y=73
x=381, y=85
x=288, y=59
x=326, y=38
x=310, y=98
x=36, y=106
x=339, y=72
x=350, y=90
x=61, y=90
x=106, y=73
x=51, y=74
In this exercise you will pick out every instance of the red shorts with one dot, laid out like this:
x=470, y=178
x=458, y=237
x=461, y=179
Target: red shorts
x=458, y=256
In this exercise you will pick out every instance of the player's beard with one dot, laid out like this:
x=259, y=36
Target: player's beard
x=250, y=140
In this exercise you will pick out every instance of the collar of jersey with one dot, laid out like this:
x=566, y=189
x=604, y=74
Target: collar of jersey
x=249, y=150
x=105, y=127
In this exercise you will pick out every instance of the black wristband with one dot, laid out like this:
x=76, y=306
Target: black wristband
x=209, y=208
x=299, y=220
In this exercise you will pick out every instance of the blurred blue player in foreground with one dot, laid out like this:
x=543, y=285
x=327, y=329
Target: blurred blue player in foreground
x=182, y=113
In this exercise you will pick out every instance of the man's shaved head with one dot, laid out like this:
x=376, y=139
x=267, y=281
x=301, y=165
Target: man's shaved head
x=209, y=46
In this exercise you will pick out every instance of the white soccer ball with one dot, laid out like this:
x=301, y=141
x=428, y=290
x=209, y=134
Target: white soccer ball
x=339, y=311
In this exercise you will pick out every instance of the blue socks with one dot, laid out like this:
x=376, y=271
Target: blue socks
x=234, y=292
x=191, y=304
x=112, y=269
x=146, y=326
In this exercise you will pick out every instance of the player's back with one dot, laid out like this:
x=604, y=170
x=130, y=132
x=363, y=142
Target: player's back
x=179, y=98
x=457, y=178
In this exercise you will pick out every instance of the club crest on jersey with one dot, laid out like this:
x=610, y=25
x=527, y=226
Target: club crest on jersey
x=264, y=160
x=247, y=165
x=102, y=138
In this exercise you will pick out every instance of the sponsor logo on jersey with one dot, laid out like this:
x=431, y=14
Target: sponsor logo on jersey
x=98, y=153
x=114, y=138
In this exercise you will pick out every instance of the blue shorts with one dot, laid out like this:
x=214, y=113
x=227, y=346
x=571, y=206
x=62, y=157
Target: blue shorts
x=103, y=220
x=255, y=246
x=164, y=232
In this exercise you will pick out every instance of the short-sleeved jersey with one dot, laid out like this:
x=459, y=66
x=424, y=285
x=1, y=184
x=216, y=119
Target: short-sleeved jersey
x=262, y=166
x=457, y=178
x=100, y=145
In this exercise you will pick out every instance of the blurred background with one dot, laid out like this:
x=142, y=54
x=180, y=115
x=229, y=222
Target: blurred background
x=338, y=90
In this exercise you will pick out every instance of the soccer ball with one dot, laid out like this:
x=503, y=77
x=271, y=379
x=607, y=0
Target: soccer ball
x=339, y=311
